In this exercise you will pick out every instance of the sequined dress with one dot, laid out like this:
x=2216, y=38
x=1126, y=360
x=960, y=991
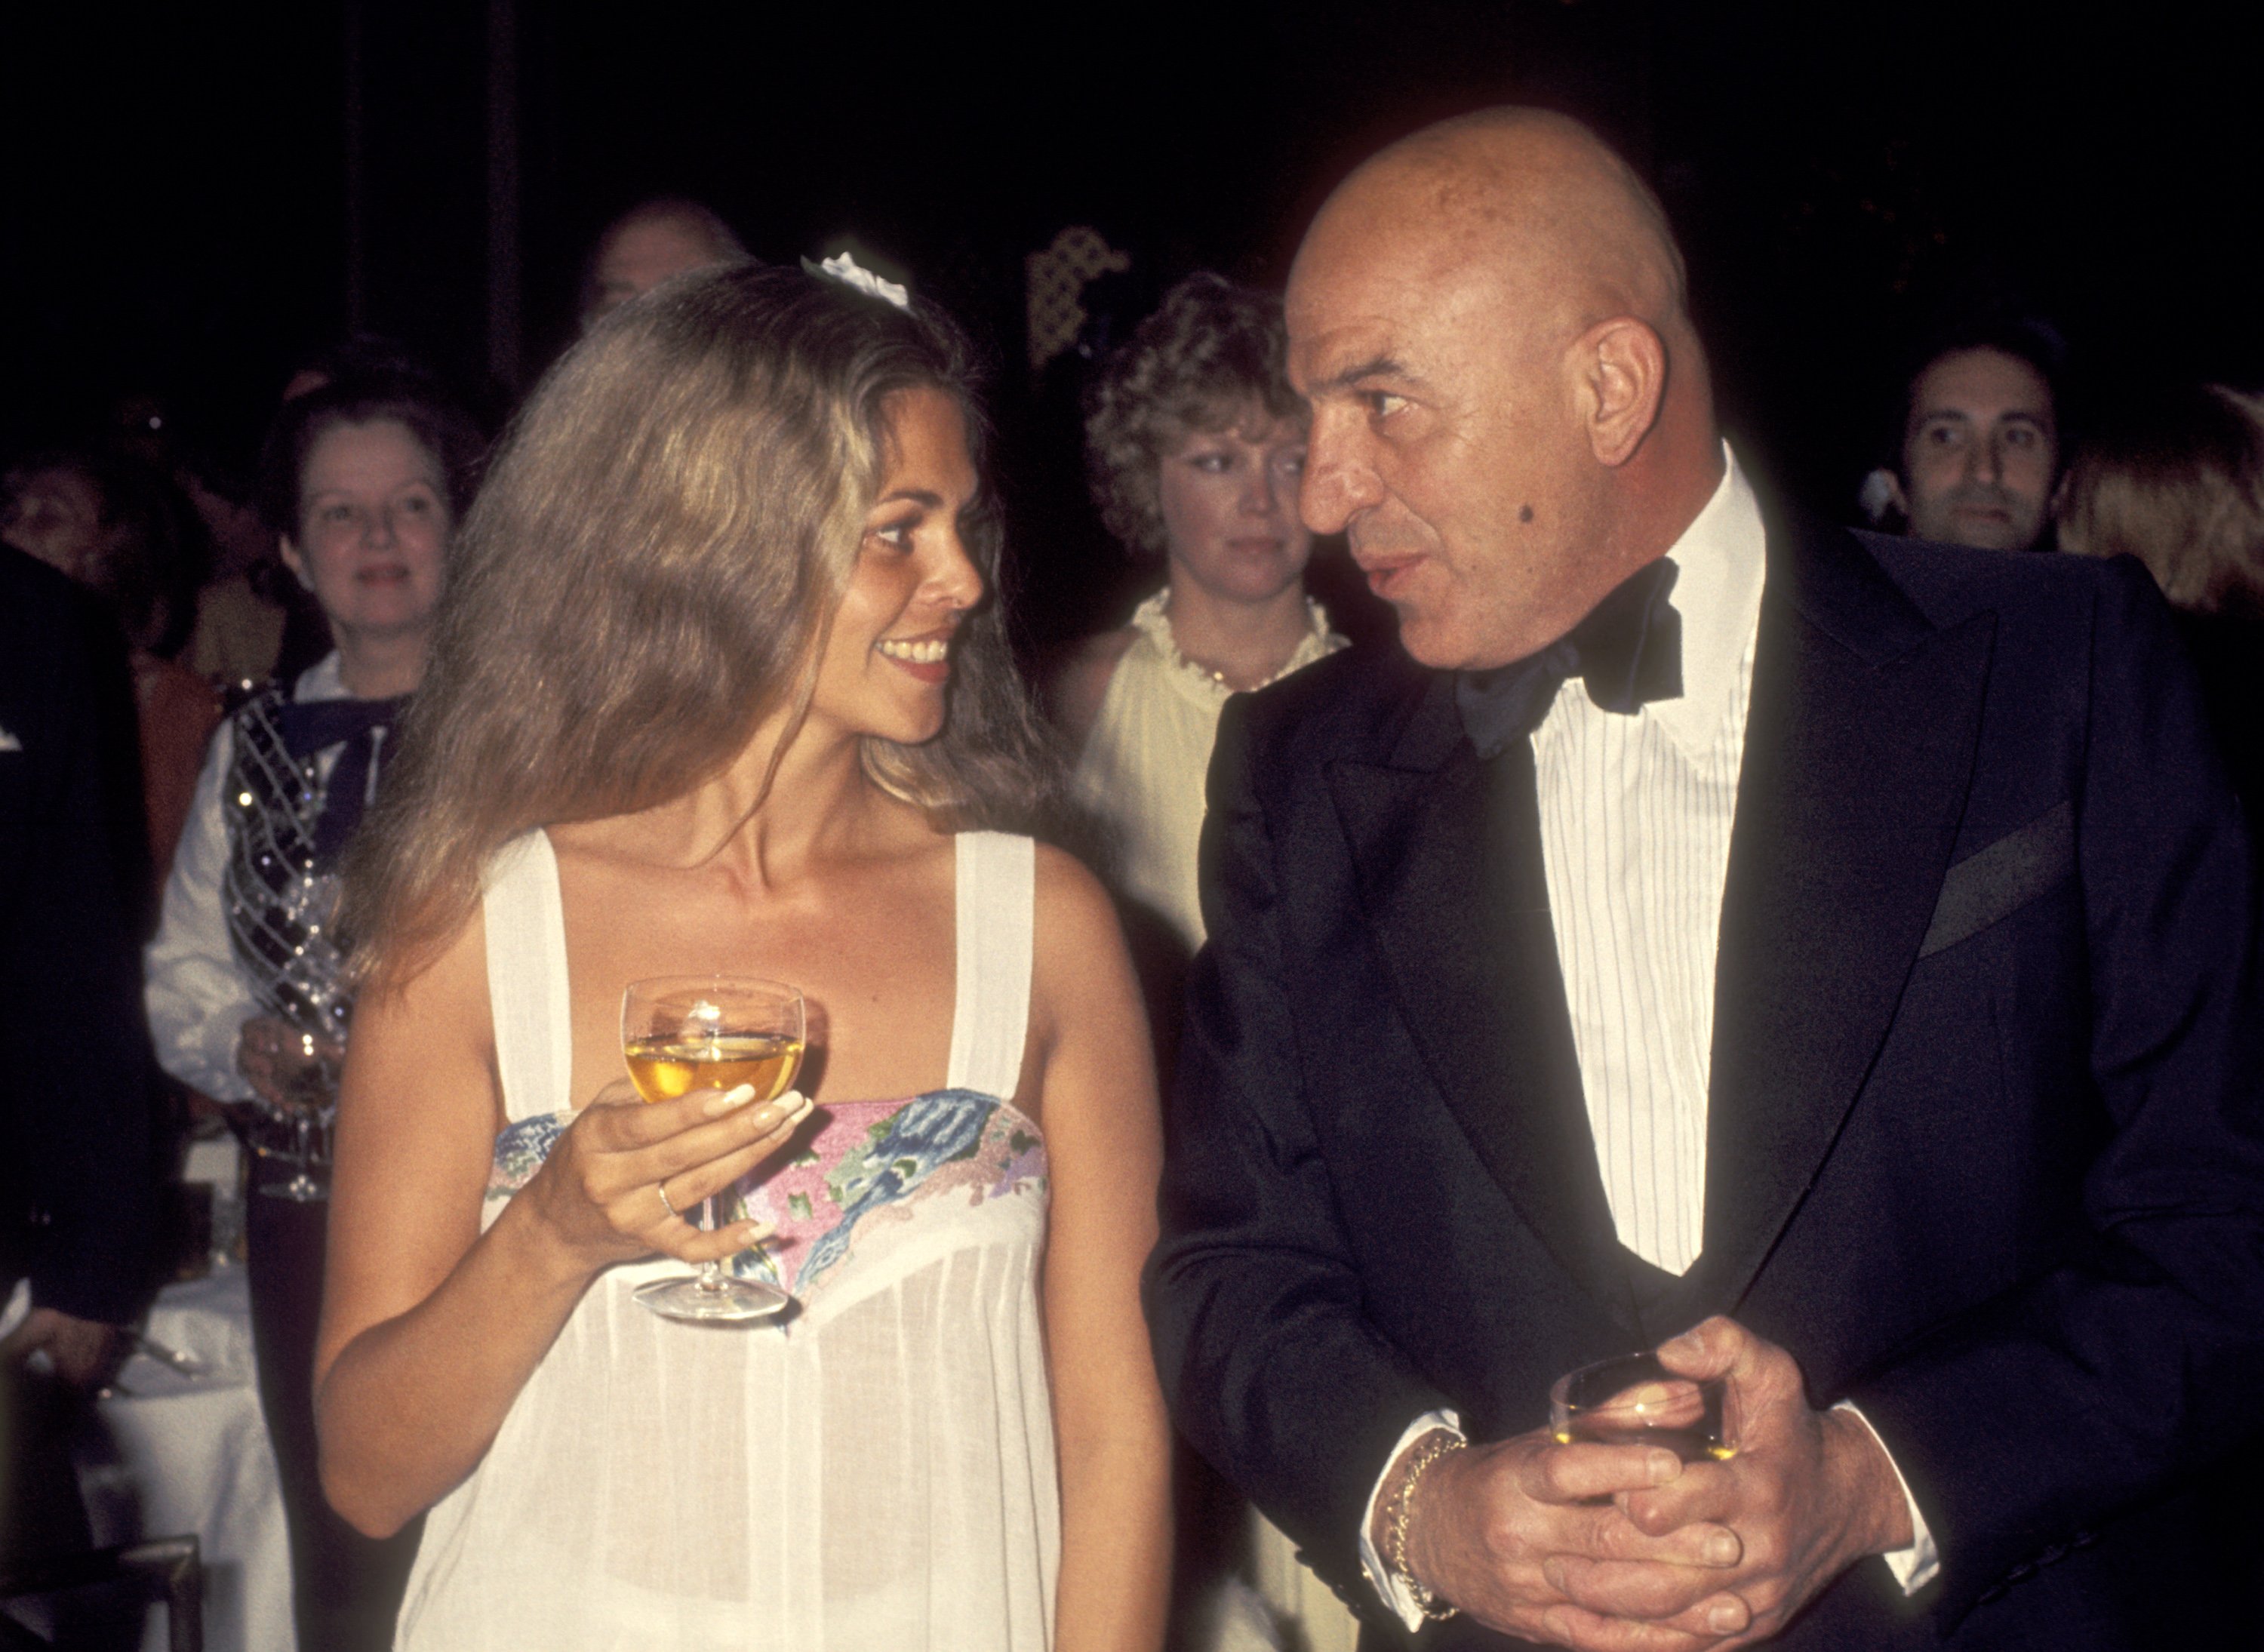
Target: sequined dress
x=278, y=903
x=875, y=1470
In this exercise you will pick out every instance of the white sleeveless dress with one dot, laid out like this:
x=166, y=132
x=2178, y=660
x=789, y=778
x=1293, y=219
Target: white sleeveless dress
x=876, y=1469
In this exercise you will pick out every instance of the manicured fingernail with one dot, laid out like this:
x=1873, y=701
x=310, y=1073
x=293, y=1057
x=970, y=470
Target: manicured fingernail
x=737, y=1096
x=1650, y=1395
x=1664, y=1467
x=1725, y=1617
x=1722, y=1549
x=751, y=1233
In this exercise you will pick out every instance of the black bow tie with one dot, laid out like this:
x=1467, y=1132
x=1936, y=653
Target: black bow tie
x=362, y=726
x=1629, y=650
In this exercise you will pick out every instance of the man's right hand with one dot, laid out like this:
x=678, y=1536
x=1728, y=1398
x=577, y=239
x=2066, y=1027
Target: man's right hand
x=1487, y=1524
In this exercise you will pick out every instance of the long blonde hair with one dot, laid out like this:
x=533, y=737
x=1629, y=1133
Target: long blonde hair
x=648, y=572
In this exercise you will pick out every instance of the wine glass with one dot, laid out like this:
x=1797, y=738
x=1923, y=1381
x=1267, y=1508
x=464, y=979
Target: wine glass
x=310, y=1103
x=686, y=1033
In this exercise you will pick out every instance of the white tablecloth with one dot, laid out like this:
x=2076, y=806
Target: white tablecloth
x=172, y=1454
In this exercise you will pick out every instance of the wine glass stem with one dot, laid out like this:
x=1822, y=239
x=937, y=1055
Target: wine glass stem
x=711, y=1273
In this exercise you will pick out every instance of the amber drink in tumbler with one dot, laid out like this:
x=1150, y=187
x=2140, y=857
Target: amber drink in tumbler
x=1633, y=1399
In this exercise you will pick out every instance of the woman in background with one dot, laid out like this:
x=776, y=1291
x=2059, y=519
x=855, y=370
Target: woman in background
x=2177, y=481
x=1194, y=442
x=716, y=692
x=365, y=483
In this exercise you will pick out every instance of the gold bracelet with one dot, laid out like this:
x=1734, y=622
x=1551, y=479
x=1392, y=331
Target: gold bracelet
x=1434, y=1447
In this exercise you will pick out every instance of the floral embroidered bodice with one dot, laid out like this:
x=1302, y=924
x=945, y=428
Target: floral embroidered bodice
x=870, y=1163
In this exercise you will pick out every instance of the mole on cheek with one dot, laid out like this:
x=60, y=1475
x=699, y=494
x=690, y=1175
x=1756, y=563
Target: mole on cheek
x=1524, y=513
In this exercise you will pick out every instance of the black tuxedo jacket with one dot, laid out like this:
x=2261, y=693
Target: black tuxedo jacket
x=1985, y=1145
x=78, y=1184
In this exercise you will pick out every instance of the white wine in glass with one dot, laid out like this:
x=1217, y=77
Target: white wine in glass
x=686, y=1033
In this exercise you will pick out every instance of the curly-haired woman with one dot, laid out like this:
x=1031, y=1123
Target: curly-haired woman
x=1194, y=442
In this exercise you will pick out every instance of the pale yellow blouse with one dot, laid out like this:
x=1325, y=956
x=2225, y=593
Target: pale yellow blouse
x=1144, y=765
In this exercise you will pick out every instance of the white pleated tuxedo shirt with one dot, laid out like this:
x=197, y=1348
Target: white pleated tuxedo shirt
x=1636, y=814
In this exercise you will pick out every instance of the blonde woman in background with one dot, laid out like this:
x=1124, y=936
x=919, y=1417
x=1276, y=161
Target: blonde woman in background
x=715, y=690
x=2177, y=481
x=1196, y=445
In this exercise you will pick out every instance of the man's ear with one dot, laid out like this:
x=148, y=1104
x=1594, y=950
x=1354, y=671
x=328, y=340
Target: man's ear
x=293, y=561
x=1623, y=376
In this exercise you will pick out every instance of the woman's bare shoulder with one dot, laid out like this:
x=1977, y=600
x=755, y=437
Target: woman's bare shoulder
x=1079, y=683
x=446, y=988
x=1079, y=942
x=1065, y=880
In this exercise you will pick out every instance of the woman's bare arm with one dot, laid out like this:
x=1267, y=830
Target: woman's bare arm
x=430, y=1329
x=1074, y=696
x=1104, y=1146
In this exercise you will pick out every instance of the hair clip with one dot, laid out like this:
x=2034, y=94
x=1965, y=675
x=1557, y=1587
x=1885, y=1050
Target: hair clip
x=844, y=269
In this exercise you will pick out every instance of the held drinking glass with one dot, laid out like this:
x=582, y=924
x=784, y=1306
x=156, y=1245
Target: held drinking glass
x=686, y=1033
x=310, y=1108
x=1633, y=1399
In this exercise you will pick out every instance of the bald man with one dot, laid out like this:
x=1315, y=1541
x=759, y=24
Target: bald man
x=1823, y=960
x=646, y=245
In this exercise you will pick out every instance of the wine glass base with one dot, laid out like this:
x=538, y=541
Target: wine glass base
x=725, y=1302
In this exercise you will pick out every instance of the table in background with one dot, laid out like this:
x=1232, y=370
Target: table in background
x=175, y=1454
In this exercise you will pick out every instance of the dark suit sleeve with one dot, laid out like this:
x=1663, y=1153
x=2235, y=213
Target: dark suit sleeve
x=1272, y=1368
x=2091, y=1388
x=76, y=1071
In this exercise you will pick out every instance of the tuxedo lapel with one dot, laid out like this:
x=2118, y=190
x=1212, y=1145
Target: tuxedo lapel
x=1452, y=886
x=1859, y=753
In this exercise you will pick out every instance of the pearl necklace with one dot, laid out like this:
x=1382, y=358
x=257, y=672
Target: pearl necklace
x=1204, y=669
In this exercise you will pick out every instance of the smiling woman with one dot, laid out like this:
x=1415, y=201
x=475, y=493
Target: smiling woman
x=715, y=691
x=888, y=653
x=245, y=985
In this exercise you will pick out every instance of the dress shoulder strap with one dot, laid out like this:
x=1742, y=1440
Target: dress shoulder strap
x=526, y=977
x=990, y=1019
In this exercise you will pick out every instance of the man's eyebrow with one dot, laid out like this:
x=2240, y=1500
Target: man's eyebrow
x=1373, y=367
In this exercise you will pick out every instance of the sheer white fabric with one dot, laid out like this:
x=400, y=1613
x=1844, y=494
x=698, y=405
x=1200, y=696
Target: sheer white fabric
x=877, y=1470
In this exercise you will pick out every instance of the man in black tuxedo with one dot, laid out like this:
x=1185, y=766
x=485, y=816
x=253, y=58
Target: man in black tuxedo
x=1848, y=980
x=78, y=1192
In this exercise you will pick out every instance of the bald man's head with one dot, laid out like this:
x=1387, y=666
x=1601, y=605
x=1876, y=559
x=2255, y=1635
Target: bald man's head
x=648, y=243
x=1512, y=411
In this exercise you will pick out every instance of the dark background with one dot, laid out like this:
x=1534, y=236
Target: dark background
x=189, y=196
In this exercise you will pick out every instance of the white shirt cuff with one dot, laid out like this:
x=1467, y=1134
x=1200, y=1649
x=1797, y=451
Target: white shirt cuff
x=1914, y=1567
x=1389, y=1587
